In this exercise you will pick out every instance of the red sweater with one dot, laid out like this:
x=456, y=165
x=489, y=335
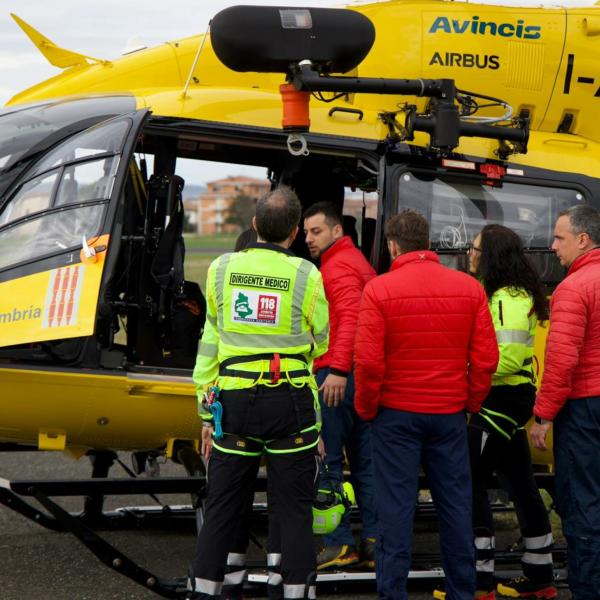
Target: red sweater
x=345, y=272
x=425, y=340
x=572, y=359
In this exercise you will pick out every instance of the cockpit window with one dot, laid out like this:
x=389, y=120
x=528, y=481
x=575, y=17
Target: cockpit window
x=70, y=173
x=27, y=132
x=64, y=196
x=106, y=138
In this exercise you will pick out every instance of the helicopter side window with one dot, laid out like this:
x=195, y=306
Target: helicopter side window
x=34, y=196
x=73, y=184
x=87, y=181
x=458, y=209
x=48, y=234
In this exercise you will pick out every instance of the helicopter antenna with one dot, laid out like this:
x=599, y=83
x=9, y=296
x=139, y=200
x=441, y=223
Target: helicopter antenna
x=196, y=58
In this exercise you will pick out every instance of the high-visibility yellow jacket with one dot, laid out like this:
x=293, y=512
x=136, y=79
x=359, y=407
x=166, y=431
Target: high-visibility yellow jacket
x=515, y=322
x=262, y=300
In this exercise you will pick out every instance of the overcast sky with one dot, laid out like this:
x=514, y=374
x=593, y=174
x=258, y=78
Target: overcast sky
x=105, y=28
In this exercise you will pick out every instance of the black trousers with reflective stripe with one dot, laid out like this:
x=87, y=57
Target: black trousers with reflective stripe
x=490, y=451
x=235, y=570
x=266, y=413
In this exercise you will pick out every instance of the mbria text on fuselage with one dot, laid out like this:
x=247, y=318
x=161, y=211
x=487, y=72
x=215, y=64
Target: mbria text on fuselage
x=33, y=312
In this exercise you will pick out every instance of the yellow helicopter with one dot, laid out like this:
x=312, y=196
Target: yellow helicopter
x=469, y=113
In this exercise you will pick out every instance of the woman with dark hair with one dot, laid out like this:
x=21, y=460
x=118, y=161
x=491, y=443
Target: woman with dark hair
x=497, y=438
x=245, y=239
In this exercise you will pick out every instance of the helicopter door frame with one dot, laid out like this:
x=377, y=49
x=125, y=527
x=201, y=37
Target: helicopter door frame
x=51, y=290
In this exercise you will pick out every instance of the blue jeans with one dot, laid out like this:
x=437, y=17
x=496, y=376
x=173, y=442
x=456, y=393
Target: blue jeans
x=342, y=427
x=577, y=462
x=401, y=442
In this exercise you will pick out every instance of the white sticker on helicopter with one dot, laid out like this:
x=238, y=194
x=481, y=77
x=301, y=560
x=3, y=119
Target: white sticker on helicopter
x=63, y=295
x=255, y=307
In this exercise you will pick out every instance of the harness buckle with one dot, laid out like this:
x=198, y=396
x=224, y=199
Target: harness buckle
x=275, y=368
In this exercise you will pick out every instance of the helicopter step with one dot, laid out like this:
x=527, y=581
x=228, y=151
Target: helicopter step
x=335, y=578
x=12, y=493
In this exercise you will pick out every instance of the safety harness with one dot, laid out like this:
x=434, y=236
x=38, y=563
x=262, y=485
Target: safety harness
x=509, y=426
x=252, y=446
x=274, y=374
x=231, y=443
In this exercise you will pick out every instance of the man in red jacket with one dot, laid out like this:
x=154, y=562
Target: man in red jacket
x=569, y=395
x=345, y=272
x=425, y=353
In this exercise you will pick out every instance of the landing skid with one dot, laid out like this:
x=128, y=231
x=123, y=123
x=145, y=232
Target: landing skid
x=59, y=519
x=426, y=566
x=349, y=576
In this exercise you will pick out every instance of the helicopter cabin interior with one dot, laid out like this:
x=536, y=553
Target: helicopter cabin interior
x=160, y=272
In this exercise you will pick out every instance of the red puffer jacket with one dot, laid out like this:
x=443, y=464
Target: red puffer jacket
x=425, y=340
x=345, y=272
x=572, y=360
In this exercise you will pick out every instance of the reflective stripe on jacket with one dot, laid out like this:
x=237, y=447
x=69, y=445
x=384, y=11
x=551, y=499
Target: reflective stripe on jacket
x=261, y=300
x=515, y=323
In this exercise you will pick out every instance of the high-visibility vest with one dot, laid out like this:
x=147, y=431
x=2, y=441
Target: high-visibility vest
x=261, y=301
x=515, y=322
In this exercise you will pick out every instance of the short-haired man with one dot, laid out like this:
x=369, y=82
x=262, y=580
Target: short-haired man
x=425, y=353
x=345, y=272
x=267, y=319
x=569, y=395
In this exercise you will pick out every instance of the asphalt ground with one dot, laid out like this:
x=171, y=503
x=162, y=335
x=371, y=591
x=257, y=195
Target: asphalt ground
x=38, y=564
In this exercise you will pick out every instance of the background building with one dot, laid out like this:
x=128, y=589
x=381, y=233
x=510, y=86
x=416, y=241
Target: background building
x=227, y=205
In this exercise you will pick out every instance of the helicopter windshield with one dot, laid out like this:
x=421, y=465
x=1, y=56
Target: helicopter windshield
x=26, y=132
